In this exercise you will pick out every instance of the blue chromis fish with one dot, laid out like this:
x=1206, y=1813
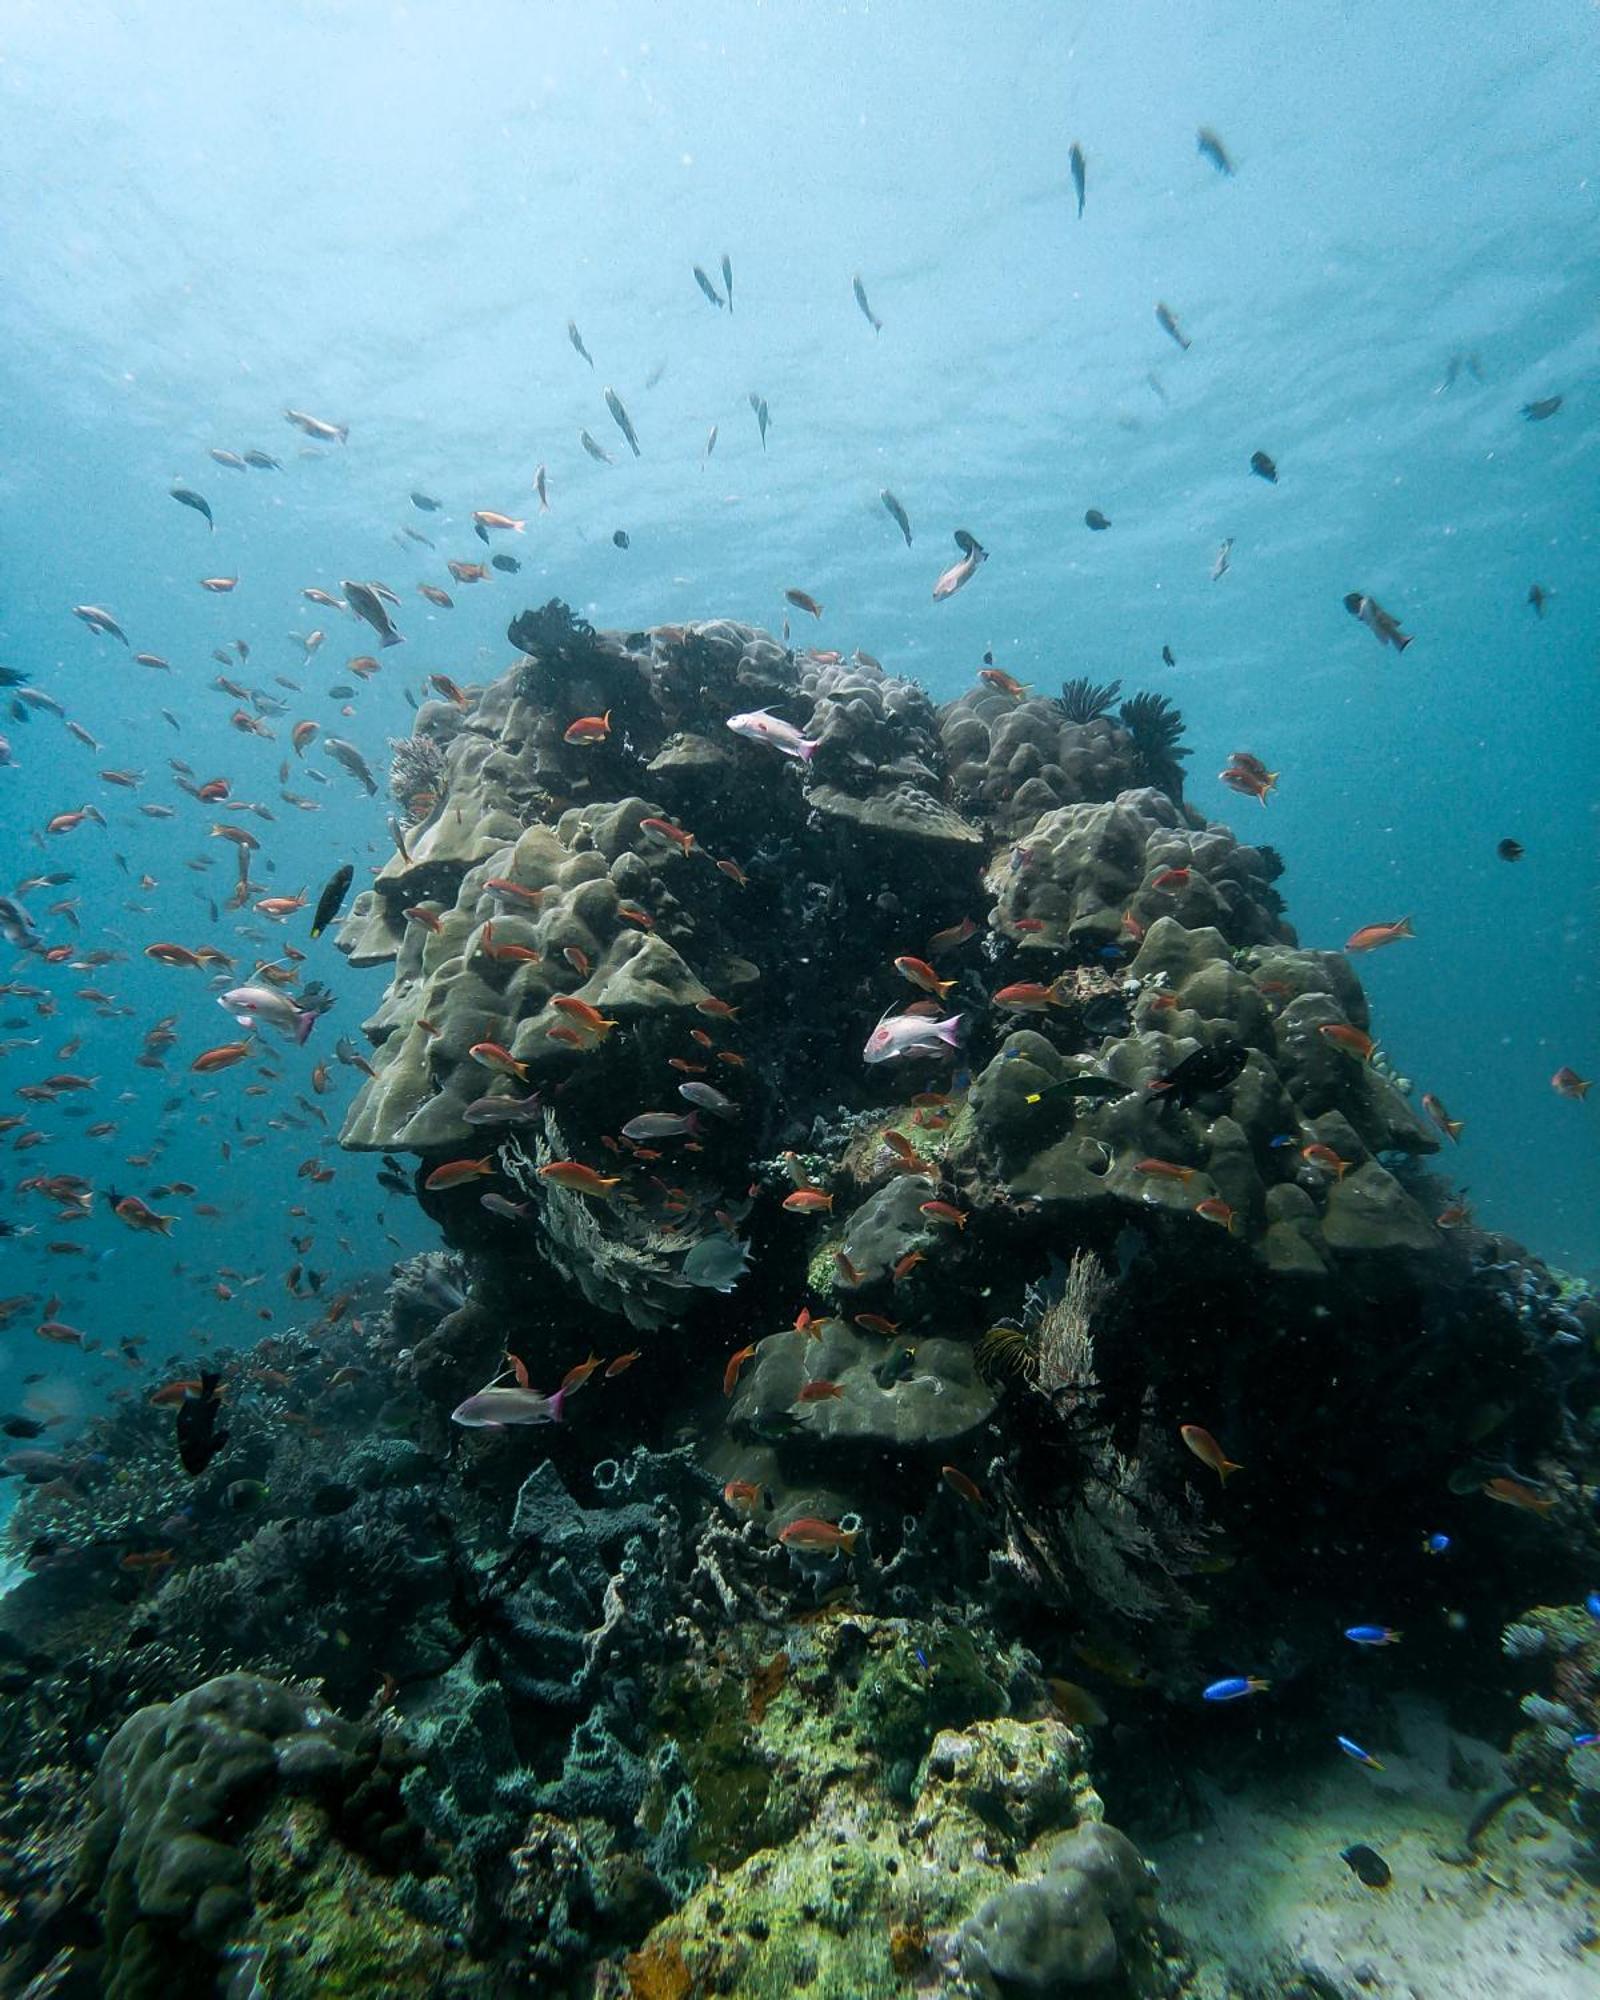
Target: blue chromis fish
x=1438, y=1544
x=1372, y=1635
x=1236, y=1686
x=1591, y=1604
x=1357, y=1755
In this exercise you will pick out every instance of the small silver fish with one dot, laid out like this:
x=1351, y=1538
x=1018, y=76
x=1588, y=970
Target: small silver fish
x=577, y=341
x=860, y=291
x=619, y=417
x=897, y=514
x=708, y=288
x=595, y=451
x=1167, y=321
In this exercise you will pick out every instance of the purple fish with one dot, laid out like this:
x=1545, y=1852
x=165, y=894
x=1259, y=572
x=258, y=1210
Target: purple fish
x=491, y=1409
x=911, y=1035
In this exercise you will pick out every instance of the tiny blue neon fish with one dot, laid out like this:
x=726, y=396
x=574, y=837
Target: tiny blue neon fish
x=1591, y=1604
x=1372, y=1635
x=1587, y=1740
x=1281, y=1139
x=1355, y=1751
x=1436, y=1545
x=1235, y=1686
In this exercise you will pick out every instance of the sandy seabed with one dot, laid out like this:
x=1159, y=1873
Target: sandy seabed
x=1262, y=1894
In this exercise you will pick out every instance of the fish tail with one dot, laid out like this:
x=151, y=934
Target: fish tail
x=557, y=1402
x=950, y=1031
x=303, y=1024
x=805, y=750
x=1403, y=928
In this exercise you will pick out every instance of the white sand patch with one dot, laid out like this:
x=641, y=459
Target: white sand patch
x=1262, y=1892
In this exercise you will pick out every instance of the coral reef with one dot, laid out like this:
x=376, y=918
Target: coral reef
x=1556, y=1758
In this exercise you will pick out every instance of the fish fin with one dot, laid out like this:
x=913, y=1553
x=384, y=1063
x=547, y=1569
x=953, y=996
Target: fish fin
x=557, y=1403
x=303, y=1024
x=806, y=749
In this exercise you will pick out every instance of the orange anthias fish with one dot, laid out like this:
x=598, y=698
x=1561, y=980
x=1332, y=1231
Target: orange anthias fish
x=454, y=1172
x=1352, y=1040
x=588, y=729
x=1436, y=1111
x=960, y=1483
x=818, y=1537
x=1215, y=1209
x=1567, y=1083
x=1027, y=996
x=579, y=1011
x=819, y=1392
x=920, y=973
x=807, y=1201
x=1513, y=1493
x=224, y=1056
x=1208, y=1451
x=1164, y=1170
x=1327, y=1159
x=575, y=1377
x=802, y=600
x=949, y=940
x=943, y=1211
x=1370, y=936
x=574, y=1175
x=730, y=1374
x=996, y=677
x=663, y=829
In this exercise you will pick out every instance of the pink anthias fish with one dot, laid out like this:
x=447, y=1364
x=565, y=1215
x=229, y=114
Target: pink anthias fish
x=972, y=556
x=762, y=726
x=911, y=1035
x=491, y=1409
x=252, y=1004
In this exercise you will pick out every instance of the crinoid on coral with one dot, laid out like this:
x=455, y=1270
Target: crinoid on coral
x=1083, y=700
x=416, y=772
x=1156, y=727
x=553, y=637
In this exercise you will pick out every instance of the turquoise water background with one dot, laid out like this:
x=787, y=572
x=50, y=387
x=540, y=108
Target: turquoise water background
x=387, y=215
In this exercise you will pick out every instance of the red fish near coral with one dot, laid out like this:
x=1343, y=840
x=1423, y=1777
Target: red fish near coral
x=1370, y=936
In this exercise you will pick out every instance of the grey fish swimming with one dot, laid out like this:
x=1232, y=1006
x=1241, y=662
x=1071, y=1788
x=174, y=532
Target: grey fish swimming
x=98, y=619
x=333, y=894
x=759, y=405
x=1382, y=624
x=366, y=601
x=1535, y=413
x=727, y=280
x=1168, y=324
x=315, y=427
x=1211, y=148
x=1079, y=175
x=577, y=341
x=897, y=514
x=595, y=451
x=708, y=288
x=351, y=758
x=619, y=417
x=860, y=291
x=187, y=497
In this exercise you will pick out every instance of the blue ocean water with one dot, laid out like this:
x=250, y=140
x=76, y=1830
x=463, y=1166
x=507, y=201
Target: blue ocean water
x=387, y=214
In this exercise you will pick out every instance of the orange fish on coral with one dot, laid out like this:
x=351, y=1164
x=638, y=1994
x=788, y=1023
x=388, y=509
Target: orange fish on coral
x=1352, y=1040
x=807, y=1201
x=588, y=729
x=818, y=1537
x=1513, y=1493
x=579, y=1179
x=730, y=1374
x=454, y=1173
x=920, y=973
x=819, y=1392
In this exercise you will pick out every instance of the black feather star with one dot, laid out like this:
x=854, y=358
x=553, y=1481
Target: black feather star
x=1156, y=727
x=1083, y=700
